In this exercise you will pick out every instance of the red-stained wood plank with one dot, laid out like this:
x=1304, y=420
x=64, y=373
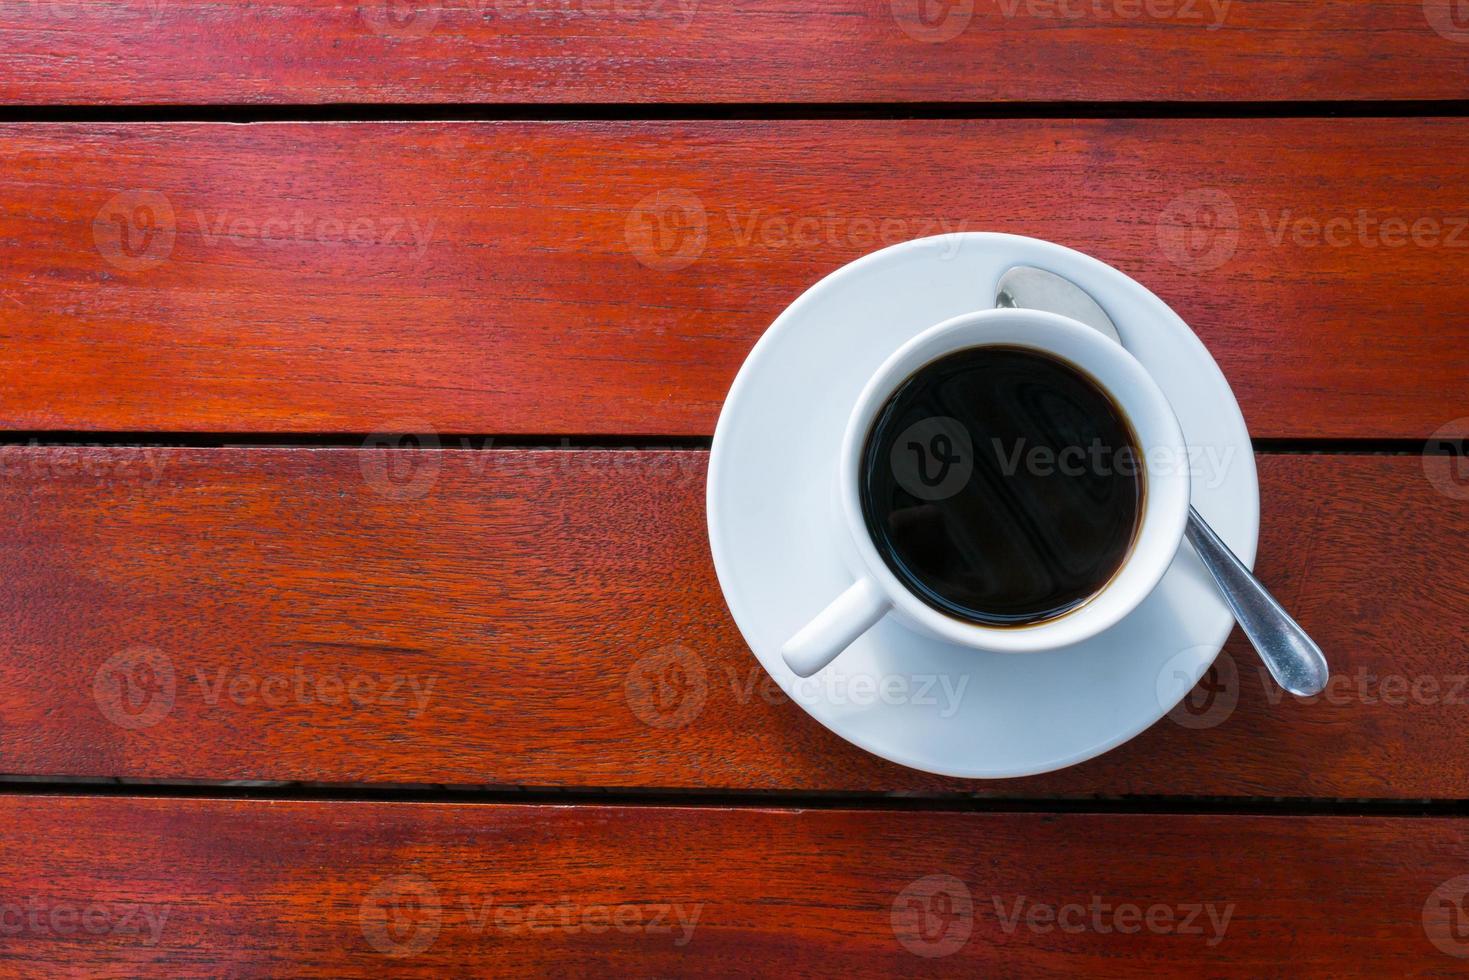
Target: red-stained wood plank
x=551, y=618
x=515, y=278
x=234, y=888
x=190, y=51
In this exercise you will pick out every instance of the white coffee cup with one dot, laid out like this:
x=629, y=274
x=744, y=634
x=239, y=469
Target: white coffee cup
x=877, y=592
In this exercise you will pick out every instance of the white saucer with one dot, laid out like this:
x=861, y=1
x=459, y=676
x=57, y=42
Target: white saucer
x=921, y=702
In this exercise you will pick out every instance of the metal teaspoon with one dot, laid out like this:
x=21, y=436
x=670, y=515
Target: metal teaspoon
x=1294, y=659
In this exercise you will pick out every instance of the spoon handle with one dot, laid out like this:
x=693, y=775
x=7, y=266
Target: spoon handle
x=1294, y=659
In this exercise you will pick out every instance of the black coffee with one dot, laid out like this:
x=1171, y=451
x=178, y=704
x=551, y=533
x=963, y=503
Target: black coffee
x=1002, y=485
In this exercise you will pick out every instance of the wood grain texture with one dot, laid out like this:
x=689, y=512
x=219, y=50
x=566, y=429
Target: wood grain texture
x=611, y=277
x=361, y=889
x=548, y=618
x=448, y=51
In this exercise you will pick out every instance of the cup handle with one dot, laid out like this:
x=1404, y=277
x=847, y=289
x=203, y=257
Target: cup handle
x=850, y=614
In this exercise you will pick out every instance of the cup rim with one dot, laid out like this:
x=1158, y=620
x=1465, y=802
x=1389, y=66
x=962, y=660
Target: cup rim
x=1165, y=511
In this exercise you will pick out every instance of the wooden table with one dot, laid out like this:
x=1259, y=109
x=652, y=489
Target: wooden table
x=282, y=694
